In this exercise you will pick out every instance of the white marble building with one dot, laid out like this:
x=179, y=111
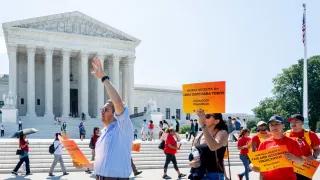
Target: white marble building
x=49, y=67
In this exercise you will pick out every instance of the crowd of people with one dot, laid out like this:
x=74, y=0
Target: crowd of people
x=210, y=132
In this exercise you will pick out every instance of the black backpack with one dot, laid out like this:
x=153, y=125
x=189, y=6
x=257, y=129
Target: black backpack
x=52, y=149
x=161, y=145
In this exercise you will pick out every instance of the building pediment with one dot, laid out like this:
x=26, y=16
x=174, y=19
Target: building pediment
x=72, y=23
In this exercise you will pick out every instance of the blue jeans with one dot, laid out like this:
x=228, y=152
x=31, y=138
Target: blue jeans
x=245, y=161
x=213, y=176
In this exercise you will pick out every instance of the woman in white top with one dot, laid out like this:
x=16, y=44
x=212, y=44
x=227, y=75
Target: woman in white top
x=57, y=156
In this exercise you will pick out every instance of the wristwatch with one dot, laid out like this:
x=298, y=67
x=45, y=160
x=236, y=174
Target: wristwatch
x=104, y=78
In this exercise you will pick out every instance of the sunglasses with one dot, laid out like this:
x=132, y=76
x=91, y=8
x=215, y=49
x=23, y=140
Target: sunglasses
x=208, y=116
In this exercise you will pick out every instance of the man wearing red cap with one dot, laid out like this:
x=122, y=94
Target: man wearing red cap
x=307, y=140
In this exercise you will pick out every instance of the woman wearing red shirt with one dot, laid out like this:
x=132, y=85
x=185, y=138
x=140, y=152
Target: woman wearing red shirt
x=243, y=143
x=24, y=157
x=170, y=149
x=92, y=144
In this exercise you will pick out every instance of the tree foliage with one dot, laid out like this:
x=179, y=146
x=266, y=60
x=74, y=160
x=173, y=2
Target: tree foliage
x=288, y=93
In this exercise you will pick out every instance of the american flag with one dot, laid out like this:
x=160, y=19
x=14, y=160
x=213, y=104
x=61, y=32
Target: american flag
x=304, y=24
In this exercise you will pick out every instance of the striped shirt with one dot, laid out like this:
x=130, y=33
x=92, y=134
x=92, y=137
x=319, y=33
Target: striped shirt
x=113, y=148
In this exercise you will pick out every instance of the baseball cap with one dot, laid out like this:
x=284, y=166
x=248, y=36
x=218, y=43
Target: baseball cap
x=297, y=117
x=261, y=123
x=276, y=118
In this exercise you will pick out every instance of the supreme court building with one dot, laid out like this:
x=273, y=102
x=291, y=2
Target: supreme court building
x=49, y=67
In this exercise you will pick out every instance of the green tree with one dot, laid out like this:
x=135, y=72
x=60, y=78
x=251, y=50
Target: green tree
x=288, y=93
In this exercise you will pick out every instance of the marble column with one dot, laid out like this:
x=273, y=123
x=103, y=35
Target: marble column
x=66, y=83
x=100, y=90
x=48, y=85
x=130, y=86
x=31, y=82
x=125, y=75
x=84, y=84
x=115, y=72
x=128, y=81
x=12, y=54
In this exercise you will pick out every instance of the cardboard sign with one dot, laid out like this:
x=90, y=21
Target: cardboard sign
x=308, y=168
x=136, y=146
x=209, y=96
x=270, y=159
x=79, y=160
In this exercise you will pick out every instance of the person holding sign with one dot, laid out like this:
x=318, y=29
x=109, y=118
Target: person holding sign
x=212, y=143
x=113, y=147
x=277, y=139
x=307, y=140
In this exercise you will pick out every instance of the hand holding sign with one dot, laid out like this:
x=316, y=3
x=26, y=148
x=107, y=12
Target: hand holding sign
x=202, y=116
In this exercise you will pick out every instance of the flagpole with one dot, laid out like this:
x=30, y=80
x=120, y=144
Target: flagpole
x=305, y=74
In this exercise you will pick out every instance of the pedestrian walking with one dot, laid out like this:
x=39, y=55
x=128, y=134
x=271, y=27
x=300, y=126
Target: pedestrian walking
x=170, y=150
x=20, y=125
x=23, y=153
x=57, y=156
x=82, y=131
x=92, y=145
x=243, y=145
x=2, y=130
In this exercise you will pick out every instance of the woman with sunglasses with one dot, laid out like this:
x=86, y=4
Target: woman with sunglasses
x=212, y=144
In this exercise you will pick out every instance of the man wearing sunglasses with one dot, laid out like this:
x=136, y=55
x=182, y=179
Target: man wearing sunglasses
x=113, y=147
x=262, y=134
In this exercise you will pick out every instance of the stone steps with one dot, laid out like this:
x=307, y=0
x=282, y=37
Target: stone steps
x=150, y=157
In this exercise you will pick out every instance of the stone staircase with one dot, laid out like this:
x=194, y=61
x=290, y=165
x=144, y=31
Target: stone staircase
x=150, y=157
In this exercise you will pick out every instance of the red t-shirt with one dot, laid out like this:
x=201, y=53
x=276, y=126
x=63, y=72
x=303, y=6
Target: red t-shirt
x=256, y=139
x=170, y=140
x=283, y=173
x=304, y=146
x=243, y=141
x=24, y=143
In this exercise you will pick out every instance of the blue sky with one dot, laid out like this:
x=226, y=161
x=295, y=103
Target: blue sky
x=244, y=42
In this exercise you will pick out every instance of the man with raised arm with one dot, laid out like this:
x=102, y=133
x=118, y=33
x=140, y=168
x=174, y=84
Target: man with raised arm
x=113, y=147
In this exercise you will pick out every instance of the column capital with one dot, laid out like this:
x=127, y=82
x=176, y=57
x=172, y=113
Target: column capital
x=66, y=52
x=48, y=51
x=101, y=56
x=116, y=58
x=131, y=60
x=31, y=49
x=12, y=47
x=84, y=53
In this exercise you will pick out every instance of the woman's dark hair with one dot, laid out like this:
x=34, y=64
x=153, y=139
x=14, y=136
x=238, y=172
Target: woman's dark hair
x=243, y=132
x=57, y=136
x=21, y=136
x=94, y=130
x=221, y=125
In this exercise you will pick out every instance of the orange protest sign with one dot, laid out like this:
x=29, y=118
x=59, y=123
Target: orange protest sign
x=136, y=146
x=308, y=168
x=270, y=159
x=209, y=96
x=78, y=158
